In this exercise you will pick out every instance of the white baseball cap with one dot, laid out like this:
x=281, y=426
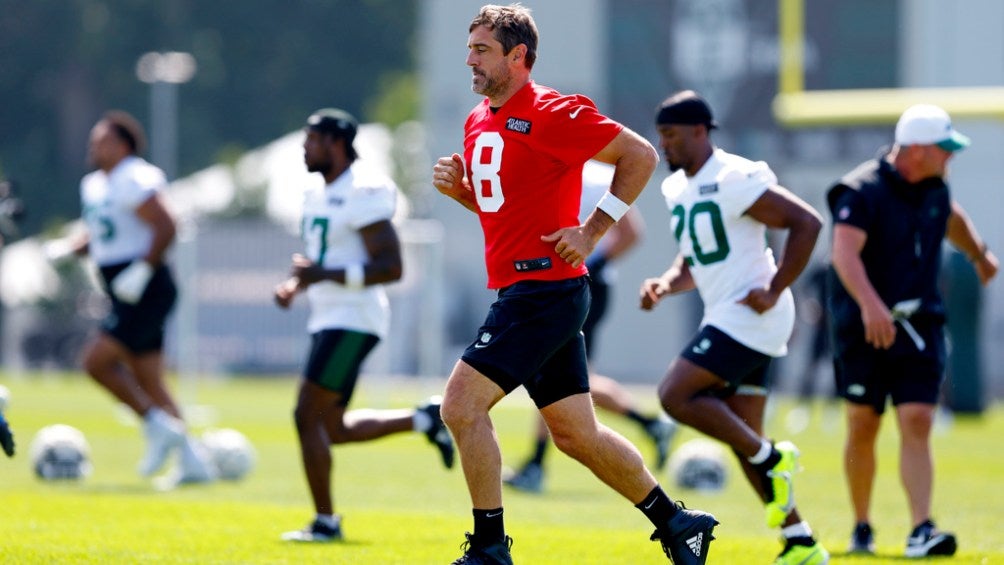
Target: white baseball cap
x=926, y=124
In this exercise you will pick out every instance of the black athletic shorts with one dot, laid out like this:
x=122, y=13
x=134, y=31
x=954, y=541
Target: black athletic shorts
x=335, y=358
x=743, y=368
x=140, y=327
x=902, y=373
x=533, y=337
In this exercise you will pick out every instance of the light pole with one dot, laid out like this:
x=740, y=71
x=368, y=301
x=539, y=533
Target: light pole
x=164, y=72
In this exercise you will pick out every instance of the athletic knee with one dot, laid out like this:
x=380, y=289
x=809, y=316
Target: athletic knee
x=96, y=365
x=457, y=414
x=311, y=420
x=568, y=444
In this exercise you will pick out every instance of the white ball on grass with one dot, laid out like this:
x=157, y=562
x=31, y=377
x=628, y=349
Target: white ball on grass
x=231, y=453
x=699, y=464
x=60, y=452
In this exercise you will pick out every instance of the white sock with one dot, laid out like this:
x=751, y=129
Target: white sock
x=799, y=530
x=421, y=421
x=763, y=454
x=154, y=414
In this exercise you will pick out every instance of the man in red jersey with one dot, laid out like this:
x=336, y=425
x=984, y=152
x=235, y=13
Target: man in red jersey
x=524, y=148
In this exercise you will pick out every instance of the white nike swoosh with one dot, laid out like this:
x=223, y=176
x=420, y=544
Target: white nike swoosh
x=480, y=345
x=575, y=113
x=493, y=515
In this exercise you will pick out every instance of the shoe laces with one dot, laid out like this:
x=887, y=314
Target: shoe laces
x=468, y=547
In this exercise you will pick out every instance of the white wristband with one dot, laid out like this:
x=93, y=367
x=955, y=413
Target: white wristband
x=613, y=206
x=355, y=277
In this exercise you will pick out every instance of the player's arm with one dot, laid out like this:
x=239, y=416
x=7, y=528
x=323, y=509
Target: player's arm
x=382, y=266
x=155, y=214
x=448, y=177
x=848, y=241
x=962, y=233
x=130, y=285
x=778, y=208
x=634, y=160
x=676, y=279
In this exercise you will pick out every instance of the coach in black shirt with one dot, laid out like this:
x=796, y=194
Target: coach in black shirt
x=890, y=217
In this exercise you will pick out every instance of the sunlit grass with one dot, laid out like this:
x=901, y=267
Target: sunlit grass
x=401, y=507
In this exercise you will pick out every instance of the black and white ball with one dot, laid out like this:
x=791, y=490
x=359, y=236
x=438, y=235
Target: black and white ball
x=60, y=452
x=699, y=464
x=231, y=453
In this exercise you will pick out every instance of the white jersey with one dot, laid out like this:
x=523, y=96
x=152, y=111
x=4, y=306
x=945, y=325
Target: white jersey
x=332, y=218
x=727, y=250
x=109, y=200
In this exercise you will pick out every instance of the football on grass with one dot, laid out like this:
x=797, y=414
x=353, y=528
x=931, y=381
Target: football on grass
x=60, y=452
x=231, y=453
x=698, y=464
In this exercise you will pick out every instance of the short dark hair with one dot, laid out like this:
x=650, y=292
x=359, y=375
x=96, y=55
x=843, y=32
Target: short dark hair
x=338, y=124
x=511, y=25
x=685, y=107
x=128, y=129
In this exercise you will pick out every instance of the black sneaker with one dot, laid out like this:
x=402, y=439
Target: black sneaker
x=528, y=479
x=686, y=537
x=494, y=554
x=438, y=434
x=315, y=532
x=862, y=539
x=926, y=540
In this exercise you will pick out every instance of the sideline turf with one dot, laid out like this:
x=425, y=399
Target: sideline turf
x=401, y=507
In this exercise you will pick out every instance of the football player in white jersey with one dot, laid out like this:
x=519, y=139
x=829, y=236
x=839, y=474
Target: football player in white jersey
x=129, y=231
x=607, y=393
x=351, y=251
x=721, y=206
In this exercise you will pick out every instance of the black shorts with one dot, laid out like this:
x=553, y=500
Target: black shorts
x=335, y=358
x=902, y=373
x=743, y=368
x=533, y=337
x=140, y=327
x=598, y=292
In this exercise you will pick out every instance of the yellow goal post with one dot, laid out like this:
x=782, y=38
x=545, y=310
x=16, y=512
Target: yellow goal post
x=796, y=107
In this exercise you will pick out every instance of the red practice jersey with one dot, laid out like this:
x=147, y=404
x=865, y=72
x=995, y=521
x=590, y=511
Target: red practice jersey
x=525, y=164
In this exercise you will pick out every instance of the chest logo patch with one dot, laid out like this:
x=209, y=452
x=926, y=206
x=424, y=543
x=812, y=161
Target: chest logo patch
x=518, y=125
x=708, y=188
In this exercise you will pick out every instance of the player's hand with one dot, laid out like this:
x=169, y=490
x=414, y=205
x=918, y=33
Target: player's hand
x=448, y=176
x=305, y=271
x=652, y=291
x=760, y=299
x=986, y=267
x=130, y=284
x=880, y=329
x=6, y=437
x=286, y=291
x=571, y=244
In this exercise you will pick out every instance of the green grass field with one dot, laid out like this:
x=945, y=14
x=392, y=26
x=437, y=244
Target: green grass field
x=401, y=507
